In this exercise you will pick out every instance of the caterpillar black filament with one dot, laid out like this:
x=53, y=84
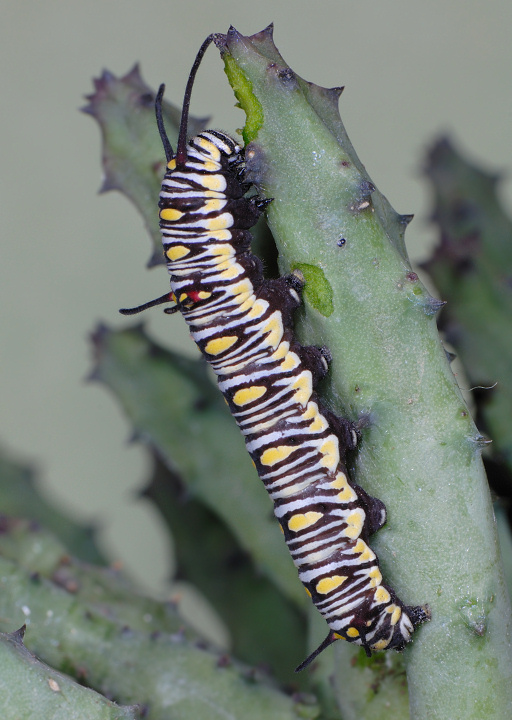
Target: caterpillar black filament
x=242, y=323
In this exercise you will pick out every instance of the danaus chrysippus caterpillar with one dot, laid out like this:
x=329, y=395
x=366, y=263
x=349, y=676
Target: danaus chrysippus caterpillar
x=242, y=323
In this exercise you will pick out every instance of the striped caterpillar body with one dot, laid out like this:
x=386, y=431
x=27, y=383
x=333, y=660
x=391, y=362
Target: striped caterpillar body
x=242, y=323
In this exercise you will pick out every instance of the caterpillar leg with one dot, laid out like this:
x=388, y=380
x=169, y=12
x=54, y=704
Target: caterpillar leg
x=345, y=430
x=375, y=510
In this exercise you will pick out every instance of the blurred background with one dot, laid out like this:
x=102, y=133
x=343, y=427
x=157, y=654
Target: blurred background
x=71, y=258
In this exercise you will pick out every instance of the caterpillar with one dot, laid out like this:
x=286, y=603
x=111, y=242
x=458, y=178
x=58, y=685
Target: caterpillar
x=242, y=323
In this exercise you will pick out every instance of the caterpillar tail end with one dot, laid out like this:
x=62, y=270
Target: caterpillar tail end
x=419, y=614
x=331, y=637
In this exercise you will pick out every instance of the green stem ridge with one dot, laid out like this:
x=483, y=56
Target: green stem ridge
x=124, y=108
x=166, y=673
x=30, y=689
x=472, y=267
x=420, y=451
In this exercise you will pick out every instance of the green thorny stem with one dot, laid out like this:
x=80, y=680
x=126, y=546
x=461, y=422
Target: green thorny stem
x=420, y=451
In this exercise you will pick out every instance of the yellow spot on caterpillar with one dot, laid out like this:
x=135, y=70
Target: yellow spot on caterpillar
x=281, y=528
x=243, y=288
x=241, y=299
x=281, y=351
x=303, y=387
x=221, y=222
x=247, y=304
x=172, y=164
x=338, y=637
x=319, y=424
x=290, y=362
x=339, y=481
x=222, y=263
x=223, y=249
x=219, y=345
x=177, y=251
x=203, y=295
x=212, y=205
x=171, y=214
x=247, y=395
x=328, y=584
x=257, y=310
x=354, y=523
x=207, y=145
x=362, y=549
x=221, y=234
x=330, y=451
x=346, y=494
x=310, y=411
x=303, y=520
x=183, y=297
x=214, y=182
x=382, y=596
x=307, y=591
x=353, y=632
x=381, y=644
x=375, y=576
x=396, y=613
x=231, y=272
x=210, y=166
x=274, y=328
x=265, y=426
x=275, y=455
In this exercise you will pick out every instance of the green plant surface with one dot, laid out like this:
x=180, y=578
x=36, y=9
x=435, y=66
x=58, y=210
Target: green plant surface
x=472, y=268
x=173, y=406
x=266, y=629
x=505, y=536
x=20, y=496
x=168, y=675
x=132, y=156
x=105, y=590
x=420, y=451
x=29, y=689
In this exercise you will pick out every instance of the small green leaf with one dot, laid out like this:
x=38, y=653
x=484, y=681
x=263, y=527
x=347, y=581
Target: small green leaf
x=318, y=290
x=132, y=156
x=242, y=87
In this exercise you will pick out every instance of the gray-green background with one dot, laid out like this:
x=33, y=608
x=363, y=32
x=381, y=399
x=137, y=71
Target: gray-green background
x=70, y=257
